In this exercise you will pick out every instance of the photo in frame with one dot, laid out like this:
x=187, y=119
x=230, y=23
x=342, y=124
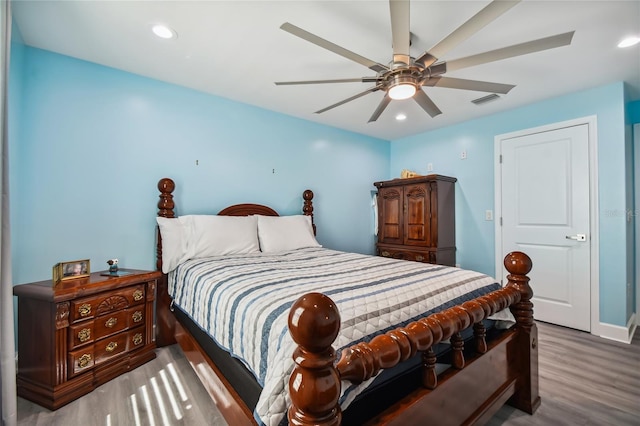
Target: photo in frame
x=71, y=270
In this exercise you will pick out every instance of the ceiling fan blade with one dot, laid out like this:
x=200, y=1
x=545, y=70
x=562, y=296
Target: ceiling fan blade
x=400, y=30
x=339, y=80
x=426, y=103
x=383, y=104
x=318, y=41
x=479, y=86
x=478, y=21
x=344, y=101
x=511, y=51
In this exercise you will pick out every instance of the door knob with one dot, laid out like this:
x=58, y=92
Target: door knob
x=577, y=237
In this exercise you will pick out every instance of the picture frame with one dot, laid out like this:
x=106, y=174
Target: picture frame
x=71, y=270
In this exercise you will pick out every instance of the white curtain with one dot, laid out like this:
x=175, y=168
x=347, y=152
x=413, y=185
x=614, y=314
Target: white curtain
x=8, y=409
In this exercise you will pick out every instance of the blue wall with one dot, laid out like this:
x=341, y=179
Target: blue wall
x=94, y=141
x=475, y=191
x=91, y=142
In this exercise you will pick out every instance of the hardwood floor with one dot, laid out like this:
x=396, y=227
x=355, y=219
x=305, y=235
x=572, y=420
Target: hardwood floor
x=164, y=391
x=584, y=380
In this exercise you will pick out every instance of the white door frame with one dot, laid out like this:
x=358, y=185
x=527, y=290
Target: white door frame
x=591, y=121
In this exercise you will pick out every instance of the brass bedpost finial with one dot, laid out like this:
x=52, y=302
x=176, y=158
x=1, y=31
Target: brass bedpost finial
x=314, y=385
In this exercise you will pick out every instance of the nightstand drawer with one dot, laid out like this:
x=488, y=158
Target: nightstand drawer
x=90, y=307
x=81, y=334
x=81, y=361
x=110, y=347
x=136, y=316
x=136, y=338
x=113, y=323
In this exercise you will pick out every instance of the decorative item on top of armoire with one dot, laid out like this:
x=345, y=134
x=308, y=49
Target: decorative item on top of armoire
x=406, y=173
x=416, y=219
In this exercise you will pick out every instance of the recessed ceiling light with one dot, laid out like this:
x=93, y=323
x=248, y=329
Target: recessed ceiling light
x=401, y=117
x=163, y=31
x=629, y=41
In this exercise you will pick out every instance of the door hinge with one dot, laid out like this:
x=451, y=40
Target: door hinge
x=500, y=220
x=500, y=158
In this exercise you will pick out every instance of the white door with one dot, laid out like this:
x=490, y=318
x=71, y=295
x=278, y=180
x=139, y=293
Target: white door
x=545, y=213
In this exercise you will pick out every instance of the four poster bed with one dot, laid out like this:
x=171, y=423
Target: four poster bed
x=264, y=318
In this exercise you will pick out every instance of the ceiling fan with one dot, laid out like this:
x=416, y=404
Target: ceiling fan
x=405, y=76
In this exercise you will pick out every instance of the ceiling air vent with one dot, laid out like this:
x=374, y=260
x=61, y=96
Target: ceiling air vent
x=485, y=99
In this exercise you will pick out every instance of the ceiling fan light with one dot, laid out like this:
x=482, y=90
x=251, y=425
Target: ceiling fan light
x=163, y=31
x=402, y=91
x=629, y=41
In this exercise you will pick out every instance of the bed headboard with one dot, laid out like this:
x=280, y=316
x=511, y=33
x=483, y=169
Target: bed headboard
x=166, y=206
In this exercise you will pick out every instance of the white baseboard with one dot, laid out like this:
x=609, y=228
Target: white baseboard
x=618, y=332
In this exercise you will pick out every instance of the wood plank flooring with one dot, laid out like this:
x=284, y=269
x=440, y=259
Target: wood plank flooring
x=584, y=380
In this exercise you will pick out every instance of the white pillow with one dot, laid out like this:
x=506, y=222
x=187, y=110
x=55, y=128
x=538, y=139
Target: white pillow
x=221, y=235
x=281, y=233
x=174, y=233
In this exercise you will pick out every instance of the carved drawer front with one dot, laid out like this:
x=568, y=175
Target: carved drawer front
x=110, y=347
x=81, y=361
x=81, y=334
x=109, y=301
x=136, y=316
x=110, y=323
x=427, y=257
x=136, y=338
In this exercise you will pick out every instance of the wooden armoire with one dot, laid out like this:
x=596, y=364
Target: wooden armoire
x=416, y=219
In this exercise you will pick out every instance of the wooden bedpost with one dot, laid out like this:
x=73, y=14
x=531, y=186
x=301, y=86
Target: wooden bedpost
x=526, y=397
x=314, y=385
x=307, y=207
x=165, y=321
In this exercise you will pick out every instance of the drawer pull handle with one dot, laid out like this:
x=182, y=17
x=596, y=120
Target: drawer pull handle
x=419, y=258
x=111, y=346
x=84, y=360
x=111, y=322
x=84, y=334
x=84, y=309
x=137, y=338
x=137, y=295
x=137, y=316
x=385, y=254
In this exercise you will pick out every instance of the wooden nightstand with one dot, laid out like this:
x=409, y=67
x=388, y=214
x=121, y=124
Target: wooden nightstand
x=82, y=333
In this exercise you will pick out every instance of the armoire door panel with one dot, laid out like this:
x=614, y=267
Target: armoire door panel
x=390, y=216
x=418, y=209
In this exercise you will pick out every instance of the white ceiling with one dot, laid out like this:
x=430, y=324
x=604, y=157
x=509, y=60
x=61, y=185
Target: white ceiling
x=236, y=50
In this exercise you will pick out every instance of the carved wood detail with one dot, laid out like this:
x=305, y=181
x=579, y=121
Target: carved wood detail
x=111, y=304
x=314, y=385
x=62, y=315
x=480, y=334
x=165, y=209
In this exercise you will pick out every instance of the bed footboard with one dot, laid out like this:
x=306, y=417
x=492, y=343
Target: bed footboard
x=470, y=391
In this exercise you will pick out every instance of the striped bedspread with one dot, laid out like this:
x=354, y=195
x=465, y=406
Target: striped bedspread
x=243, y=302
